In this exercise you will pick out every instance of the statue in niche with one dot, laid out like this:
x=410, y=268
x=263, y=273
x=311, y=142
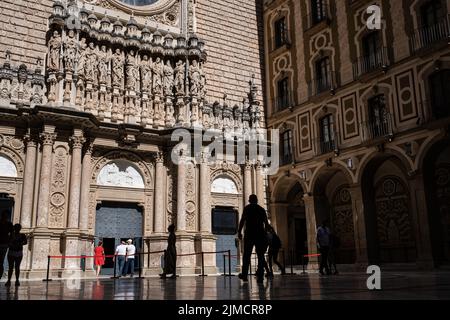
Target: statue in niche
x=158, y=74
x=54, y=46
x=117, y=68
x=194, y=77
x=179, y=77
x=146, y=72
x=253, y=88
x=203, y=90
x=103, y=64
x=91, y=63
x=71, y=52
x=132, y=71
x=82, y=57
x=168, y=79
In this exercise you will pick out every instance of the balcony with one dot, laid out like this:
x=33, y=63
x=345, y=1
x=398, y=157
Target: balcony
x=378, y=61
x=319, y=86
x=316, y=18
x=426, y=37
x=378, y=129
x=325, y=146
x=283, y=102
x=279, y=41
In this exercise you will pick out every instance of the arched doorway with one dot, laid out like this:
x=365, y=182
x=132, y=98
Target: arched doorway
x=389, y=226
x=333, y=204
x=437, y=187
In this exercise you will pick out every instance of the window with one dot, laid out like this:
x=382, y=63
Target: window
x=372, y=58
x=318, y=10
x=378, y=116
x=283, y=94
x=281, y=37
x=287, y=143
x=323, y=75
x=139, y=3
x=431, y=13
x=327, y=141
x=440, y=94
x=224, y=221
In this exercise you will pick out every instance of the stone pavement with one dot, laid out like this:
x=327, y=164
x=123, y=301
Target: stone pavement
x=346, y=286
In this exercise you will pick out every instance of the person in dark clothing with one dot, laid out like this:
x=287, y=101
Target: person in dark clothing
x=254, y=218
x=274, y=249
x=335, y=243
x=323, y=243
x=6, y=229
x=170, y=255
x=15, y=253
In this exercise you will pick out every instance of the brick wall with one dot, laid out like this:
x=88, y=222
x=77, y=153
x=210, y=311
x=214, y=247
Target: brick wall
x=232, y=30
x=23, y=25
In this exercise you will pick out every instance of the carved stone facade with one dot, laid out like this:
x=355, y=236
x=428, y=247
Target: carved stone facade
x=87, y=113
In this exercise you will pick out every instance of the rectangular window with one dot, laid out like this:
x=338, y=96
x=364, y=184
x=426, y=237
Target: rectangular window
x=318, y=11
x=224, y=221
x=431, y=13
x=440, y=94
x=327, y=139
x=378, y=117
x=287, y=143
x=283, y=94
x=280, y=33
x=323, y=75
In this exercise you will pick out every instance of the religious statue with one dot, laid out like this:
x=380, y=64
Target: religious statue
x=117, y=68
x=195, y=77
x=71, y=52
x=168, y=79
x=203, y=89
x=103, y=65
x=146, y=72
x=253, y=88
x=81, y=58
x=158, y=74
x=179, y=77
x=54, y=46
x=132, y=71
x=91, y=63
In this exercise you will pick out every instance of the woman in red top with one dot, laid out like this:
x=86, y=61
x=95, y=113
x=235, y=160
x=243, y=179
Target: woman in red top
x=99, y=257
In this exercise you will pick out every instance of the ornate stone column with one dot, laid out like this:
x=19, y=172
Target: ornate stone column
x=260, y=185
x=85, y=187
x=77, y=141
x=47, y=139
x=28, y=183
x=205, y=195
x=181, y=193
x=159, y=193
x=311, y=227
x=359, y=223
x=247, y=182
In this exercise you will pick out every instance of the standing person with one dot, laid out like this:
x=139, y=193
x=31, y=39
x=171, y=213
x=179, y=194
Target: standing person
x=15, y=253
x=6, y=229
x=323, y=243
x=254, y=218
x=274, y=249
x=99, y=257
x=121, y=252
x=170, y=255
x=129, y=265
x=335, y=243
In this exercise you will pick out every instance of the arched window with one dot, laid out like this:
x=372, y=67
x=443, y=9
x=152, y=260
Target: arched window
x=440, y=93
x=224, y=185
x=120, y=173
x=7, y=167
x=281, y=33
x=139, y=3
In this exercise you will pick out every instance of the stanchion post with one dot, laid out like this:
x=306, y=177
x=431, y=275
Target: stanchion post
x=83, y=261
x=224, y=266
x=303, y=263
x=140, y=265
x=291, y=253
x=203, y=265
x=47, y=279
x=229, y=263
x=284, y=260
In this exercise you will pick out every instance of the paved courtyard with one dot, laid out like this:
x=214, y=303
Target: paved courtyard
x=346, y=286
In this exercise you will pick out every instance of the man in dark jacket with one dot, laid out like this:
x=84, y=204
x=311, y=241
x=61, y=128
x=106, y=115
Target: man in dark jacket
x=274, y=249
x=254, y=218
x=6, y=229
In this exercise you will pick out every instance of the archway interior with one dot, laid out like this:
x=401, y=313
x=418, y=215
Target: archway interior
x=296, y=223
x=333, y=204
x=437, y=189
x=389, y=226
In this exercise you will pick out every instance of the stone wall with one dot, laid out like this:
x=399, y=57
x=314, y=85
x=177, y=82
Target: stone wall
x=233, y=34
x=23, y=25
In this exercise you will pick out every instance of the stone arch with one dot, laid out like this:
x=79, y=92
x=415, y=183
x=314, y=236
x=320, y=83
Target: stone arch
x=224, y=184
x=282, y=186
x=233, y=176
x=7, y=167
x=134, y=159
x=15, y=158
x=335, y=167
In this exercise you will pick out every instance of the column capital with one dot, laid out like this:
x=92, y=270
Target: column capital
x=30, y=140
x=77, y=141
x=89, y=146
x=48, y=138
x=159, y=157
x=247, y=165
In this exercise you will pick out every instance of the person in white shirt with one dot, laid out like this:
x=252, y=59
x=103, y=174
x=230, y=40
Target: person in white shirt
x=129, y=265
x=121, y=252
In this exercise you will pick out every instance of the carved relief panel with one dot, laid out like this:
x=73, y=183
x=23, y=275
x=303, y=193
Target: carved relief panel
x=58, y=191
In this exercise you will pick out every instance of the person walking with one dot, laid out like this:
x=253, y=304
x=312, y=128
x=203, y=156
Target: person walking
x=274, y=248
x=99, y=257
x=323, y=243
x=254, y=218
x=121, y=252
x=335, y=243
x=6, y=229
x=170, y=255
x=129, y=264
x=15, y=253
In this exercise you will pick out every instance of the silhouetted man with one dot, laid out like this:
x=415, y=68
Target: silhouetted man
x=254, y=218
x=6, y=229
x=323, y=242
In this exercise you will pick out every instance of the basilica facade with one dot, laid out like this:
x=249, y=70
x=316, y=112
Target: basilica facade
x=91, y=93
